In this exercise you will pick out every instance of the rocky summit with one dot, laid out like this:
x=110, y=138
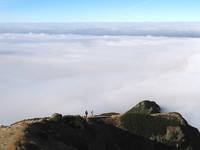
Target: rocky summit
x=169, y=128
x=143, y=127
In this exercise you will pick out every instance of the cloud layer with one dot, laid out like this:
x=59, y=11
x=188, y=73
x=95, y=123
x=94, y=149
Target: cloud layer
x=45, y=73
x=175, y=29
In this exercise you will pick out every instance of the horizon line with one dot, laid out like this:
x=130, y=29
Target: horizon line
x=100, y=22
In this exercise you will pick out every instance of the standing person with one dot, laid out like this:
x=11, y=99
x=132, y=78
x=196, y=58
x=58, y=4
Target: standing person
x=86, y=113
x=92, y=113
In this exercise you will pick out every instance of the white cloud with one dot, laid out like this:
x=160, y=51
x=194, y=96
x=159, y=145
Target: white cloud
x=41, y=74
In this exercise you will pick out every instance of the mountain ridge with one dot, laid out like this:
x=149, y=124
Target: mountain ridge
x=107, y=131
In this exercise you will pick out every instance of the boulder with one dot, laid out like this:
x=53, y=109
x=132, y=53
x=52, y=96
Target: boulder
x=145, y=107
x=56, y=117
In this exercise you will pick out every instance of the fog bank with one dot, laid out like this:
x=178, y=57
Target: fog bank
x=43, y=73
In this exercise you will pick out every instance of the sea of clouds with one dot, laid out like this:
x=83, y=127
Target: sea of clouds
x=68, y=68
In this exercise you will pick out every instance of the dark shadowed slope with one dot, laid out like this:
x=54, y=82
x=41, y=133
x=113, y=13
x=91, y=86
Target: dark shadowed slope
x=71, y=133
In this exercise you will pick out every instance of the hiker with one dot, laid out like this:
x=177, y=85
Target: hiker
x=92, y=113
x=86, y=113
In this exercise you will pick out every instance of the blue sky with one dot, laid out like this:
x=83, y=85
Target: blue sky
x=98, y=10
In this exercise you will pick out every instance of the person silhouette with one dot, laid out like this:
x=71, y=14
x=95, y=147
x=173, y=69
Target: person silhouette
x=92, y=113
x=86, y=113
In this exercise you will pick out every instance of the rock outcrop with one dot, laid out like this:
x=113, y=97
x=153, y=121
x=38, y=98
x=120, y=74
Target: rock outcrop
x=171, y=129
x=146, y=107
